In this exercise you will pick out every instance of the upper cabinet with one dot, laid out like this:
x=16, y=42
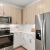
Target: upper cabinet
x=29, y=15
x=12, y=11
x=17, y=15
x=1, y=9
x=46, y=5
x=30, y=11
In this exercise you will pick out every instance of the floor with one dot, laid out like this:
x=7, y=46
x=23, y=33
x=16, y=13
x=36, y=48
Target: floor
x=20, y=48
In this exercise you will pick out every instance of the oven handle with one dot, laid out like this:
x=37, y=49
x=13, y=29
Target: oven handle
x=6, y=35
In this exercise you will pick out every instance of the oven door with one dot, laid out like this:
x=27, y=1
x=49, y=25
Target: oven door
x=6, y=41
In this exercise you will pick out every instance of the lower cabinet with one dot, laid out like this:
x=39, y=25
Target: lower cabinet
x=24, y=39
x=28, y=41
x=32, y=44
x=17, y=40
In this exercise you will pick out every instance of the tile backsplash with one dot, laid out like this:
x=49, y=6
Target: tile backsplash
x=24, y=28
x=28, y=28
x=13, y=28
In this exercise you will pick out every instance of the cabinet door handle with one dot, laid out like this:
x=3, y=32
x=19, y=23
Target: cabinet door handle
x=30, y=40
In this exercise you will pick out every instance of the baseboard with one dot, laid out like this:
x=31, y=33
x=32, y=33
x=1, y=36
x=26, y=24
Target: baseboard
x=20, y=46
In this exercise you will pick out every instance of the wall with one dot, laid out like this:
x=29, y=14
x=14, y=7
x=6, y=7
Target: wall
x=30, y=11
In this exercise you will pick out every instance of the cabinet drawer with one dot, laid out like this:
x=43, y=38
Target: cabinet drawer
x=31, y=36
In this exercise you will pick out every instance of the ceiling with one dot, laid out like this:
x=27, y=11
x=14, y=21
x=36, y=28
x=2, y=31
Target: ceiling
x=21, y=3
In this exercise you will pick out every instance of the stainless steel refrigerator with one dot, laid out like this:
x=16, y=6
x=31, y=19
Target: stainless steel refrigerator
x=42, y=25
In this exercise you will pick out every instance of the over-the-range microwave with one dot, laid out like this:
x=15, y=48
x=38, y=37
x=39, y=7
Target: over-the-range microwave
x=5, y=20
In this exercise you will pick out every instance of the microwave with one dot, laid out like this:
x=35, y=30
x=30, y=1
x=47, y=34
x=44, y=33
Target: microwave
x=5, y=20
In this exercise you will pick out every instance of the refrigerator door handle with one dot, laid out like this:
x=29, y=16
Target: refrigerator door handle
x=44, y=35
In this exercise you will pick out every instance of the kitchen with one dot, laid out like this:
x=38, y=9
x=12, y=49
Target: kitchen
x=23, y=22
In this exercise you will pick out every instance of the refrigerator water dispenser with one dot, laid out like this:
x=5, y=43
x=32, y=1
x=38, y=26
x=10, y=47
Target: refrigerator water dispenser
x=38, y=34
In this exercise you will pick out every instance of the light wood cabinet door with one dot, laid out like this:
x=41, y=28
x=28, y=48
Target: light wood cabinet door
x=17, y=15
x=1, y=9
x=25, y=16
x=13, y=12
x=46, y=6
x=8, y=11
x=29, y=15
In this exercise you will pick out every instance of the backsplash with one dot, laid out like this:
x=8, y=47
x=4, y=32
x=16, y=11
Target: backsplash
x=24, y=28
x=28, y=28
x=13, y=28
